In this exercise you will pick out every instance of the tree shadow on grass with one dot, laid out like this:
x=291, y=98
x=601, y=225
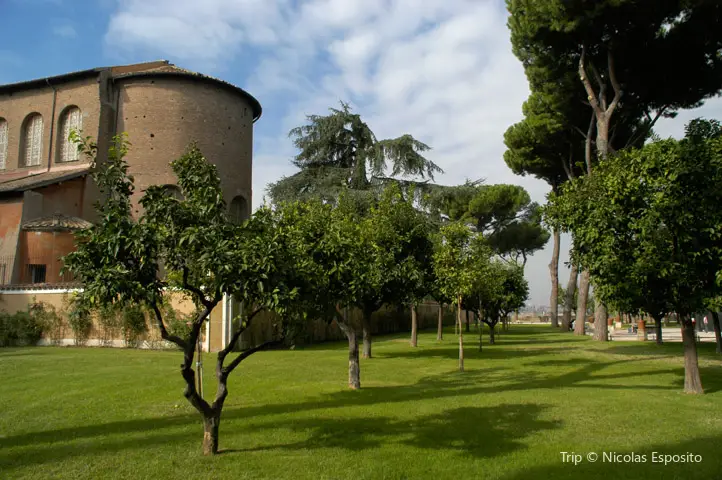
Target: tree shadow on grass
x=474, y=431
x=18, y=351
x=477, y=432
x=447, y=385
x=672, y=349
x=471, y=352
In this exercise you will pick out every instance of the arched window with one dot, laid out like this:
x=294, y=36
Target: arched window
x=3, y=142
x=31, y=143
x=239, y=210
x=71, y=119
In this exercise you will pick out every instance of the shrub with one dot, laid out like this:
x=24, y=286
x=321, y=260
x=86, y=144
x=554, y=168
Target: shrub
x=178, y=324
x=80, y=320
x=20, y=328
x=52, y=322
x=133, y=325
x=109, y=323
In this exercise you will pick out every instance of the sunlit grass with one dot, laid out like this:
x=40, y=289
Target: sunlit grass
x=114, y=413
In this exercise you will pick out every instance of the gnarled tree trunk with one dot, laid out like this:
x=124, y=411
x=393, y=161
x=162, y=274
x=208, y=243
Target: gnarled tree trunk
x=601, y=329
x=354, y=368
x=210, y=434
x=440, y=325
x=414, y=326
x=492, y=332
x=717, y=335
x=692, y=380
x=569, y=298
x=366, y=327
x=554, y=273
x=582, y=297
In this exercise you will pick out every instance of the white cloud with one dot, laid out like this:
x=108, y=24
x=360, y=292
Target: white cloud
x=65, y=31
x=441, y=70
x=197, y=32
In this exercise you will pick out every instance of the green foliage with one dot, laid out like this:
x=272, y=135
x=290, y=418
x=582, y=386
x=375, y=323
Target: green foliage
x=398, y=252
x=500, y=291
x=648, y=226
x=79, y=313
x=504, y=214
x=22, y=328
x=134, y=326
x=339, y=152
x=116, y=259
x=459, y=261
x=633, y=43
x=110, y=323
x=48, y=319
x=178, y=324
x=204, y=254
x=329, y=266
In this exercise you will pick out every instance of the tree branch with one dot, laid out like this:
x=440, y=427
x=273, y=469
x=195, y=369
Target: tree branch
x=602, y=87
x=236, y=361
x=232, y=342
x=615, y=83
x=568, y=167
x=189, y=375
x=197, y=291
x=650, y=124
x=163, y=332
x=587, y=84
x=588, y=145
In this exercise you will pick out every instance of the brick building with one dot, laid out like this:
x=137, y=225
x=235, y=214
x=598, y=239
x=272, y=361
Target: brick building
x=46, y=192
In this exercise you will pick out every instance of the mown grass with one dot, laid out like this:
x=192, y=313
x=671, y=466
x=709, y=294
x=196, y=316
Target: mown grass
x=112, y=413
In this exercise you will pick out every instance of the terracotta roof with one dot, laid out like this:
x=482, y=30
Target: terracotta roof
x=41, y=179
x=56, y=222
x=172, y=70
x=69, y=77
x=154, y=68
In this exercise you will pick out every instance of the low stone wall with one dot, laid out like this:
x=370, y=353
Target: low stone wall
x=386, y=320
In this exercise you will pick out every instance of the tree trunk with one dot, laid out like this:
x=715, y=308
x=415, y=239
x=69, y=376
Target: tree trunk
x=461, y=335
x=492, y=339
x=554, y=273
x=414, y=326
x=692, y=381
x=440, y=326
x=658, y=330
x=457, y=322
x=582, y=297
x=354, y=369
x=571, y=287
x=481, y=332
x=366, y=326
x=601, y=329
x=210, y=434
x=467, y=322
x=717, y=335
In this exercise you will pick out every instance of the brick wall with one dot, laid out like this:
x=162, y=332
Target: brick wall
x=163, y=115
x=16, y=106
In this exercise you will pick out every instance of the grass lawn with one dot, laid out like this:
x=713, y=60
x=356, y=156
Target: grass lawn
x=114, y=413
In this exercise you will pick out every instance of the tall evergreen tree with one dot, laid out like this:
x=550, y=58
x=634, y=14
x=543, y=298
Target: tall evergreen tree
x=339, y=152
x=620, y=49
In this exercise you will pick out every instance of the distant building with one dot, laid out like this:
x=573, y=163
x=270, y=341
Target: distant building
x=46, y=192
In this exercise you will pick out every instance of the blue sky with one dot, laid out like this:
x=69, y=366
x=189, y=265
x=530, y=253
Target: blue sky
x=441, y=70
